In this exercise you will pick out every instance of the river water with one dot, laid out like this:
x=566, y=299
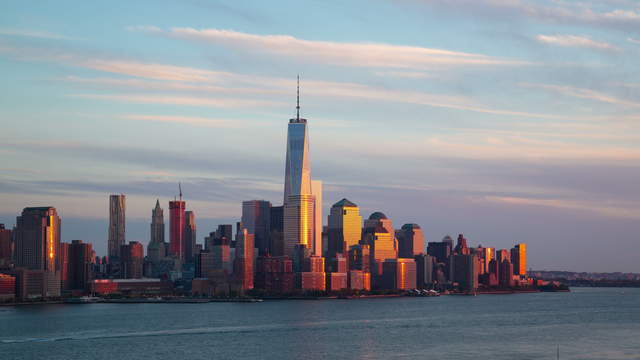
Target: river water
x=588, y=323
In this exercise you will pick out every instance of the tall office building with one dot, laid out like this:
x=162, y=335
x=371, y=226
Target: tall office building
x=276, y=237
x=156, y=249
x=189, y=236
x=117, y=207
x=379, y=219
x=410, y=241
x=176, y=227
x=464, y=271
x=299, y=201
x=37, y=239
x=344, y=227
x=462, y=248
x=132, y=259
x=382, y=247
x=256, y=218
x=243, y=263
x=6, y=246
x=519, y=259
x=80, y=263
x=424, y=270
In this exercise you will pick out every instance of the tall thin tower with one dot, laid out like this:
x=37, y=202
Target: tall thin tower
x=176, y=227
x=299, y=201
x=117, y=207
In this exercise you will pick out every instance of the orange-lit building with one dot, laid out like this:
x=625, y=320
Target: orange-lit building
x=410, y=241
x=337, y=281
x=7, y=287
x=37, y=239
x=344, y=227
x=399, y=274
x=313, y=281
x=519, y=259
x=359, y=280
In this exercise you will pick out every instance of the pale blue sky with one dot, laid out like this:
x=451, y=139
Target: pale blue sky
x=507, y=120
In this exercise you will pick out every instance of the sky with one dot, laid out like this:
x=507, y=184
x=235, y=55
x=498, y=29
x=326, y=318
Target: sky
x=507, y=120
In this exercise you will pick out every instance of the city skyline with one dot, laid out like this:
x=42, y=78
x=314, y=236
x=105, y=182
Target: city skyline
x=519, y=135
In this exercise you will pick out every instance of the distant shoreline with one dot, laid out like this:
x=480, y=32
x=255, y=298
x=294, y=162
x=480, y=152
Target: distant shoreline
x=257, y=300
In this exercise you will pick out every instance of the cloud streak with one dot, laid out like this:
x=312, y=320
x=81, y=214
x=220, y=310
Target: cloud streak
x=583, y=94
x=187, y=120
x=575, y=41
x=374, y=55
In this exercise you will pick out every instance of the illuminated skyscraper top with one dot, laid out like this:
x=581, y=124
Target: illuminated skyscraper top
x=297, y=180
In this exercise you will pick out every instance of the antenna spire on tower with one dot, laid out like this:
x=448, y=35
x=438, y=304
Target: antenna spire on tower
x=298, y=100
x=180, y=188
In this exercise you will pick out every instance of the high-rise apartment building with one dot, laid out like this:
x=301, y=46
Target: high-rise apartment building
x=117, y=229
x=344, y=227
x=256, y=218
x=37, y=239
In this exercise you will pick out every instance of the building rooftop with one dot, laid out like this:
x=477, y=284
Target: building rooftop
x=410, y=226
x=377, y=216
x=344, y=203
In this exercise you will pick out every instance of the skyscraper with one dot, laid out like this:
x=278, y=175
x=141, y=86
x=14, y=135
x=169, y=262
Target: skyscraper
x=117, y=207
x=79, y=265
x=256, y=218
x=176, y=227
x=37, y=237
x=344, y=227
x=132, y=258
x=6, y=246
x=410, y=241
x=243, y=264
x=519, y=259
x=464, y=271
x=189, y=236
x=299, y=201
x=156, y=249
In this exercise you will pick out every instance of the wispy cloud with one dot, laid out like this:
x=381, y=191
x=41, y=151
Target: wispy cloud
x=377, y=55
x=583, y=94
x=186, y=120
x=576, y=41
x=563, y=12
x=616, y=210
x=180, y=100
x=633, y=41
x=404, y=74
x=33, y=34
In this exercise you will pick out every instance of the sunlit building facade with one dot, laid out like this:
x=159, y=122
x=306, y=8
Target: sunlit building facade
x=519, y=259
x=410, y=241
x=344, y=227
x=37, y=239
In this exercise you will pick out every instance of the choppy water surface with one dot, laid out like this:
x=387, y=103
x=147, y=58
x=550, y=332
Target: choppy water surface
x=586, y=324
